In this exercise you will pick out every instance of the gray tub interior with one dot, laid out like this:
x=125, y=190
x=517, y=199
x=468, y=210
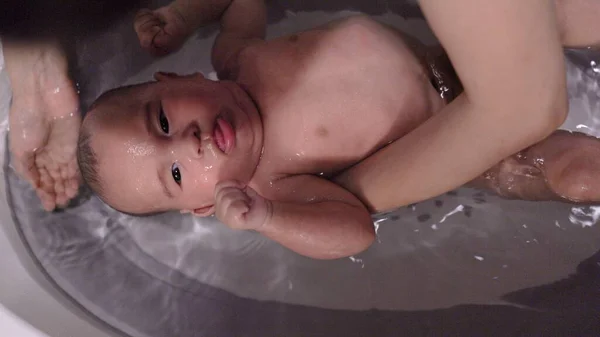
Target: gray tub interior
x=464, y=264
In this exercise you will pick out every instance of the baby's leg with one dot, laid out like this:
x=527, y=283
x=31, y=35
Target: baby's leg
x=579, y=22
x=564, y=166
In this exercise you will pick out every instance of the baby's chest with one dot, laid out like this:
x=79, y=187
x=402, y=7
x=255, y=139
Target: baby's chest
x=328, y=99
x=315, y=138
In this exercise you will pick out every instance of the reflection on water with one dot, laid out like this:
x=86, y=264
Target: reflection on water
x=585, y=216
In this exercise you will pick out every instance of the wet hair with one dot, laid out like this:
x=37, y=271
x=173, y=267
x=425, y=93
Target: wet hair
x=88, y=162
x=87, y=159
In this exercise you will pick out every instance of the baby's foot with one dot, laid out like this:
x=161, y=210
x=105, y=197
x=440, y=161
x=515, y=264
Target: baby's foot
x=516, y=178
x=571, y=165
x=565, y=166
x=161, y=31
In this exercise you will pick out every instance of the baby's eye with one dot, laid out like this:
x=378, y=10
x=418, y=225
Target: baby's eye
x=176, y=173
x=163, y=121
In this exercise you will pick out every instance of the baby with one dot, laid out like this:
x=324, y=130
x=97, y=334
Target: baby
x=268, y=147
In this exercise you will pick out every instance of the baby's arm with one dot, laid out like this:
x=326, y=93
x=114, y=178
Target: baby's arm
x=244, y=23
x=164, y=30
x=306, y=214
x=509, y=58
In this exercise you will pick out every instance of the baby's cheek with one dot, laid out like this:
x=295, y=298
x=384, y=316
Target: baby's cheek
x=204, y=183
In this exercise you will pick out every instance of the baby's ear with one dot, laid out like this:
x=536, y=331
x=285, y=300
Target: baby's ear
x=204, y=211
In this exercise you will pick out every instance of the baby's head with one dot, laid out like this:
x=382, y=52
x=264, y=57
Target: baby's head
x=164, y=145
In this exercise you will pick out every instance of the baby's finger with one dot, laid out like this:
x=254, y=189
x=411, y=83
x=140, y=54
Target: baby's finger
x=252, y=194
x=144, y=19
x=147, y=37
x=166, y=43
x=229, y=196
x=232, y=213
x=237, y=209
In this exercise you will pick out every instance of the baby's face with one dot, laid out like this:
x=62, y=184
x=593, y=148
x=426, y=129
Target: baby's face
x=165, y=145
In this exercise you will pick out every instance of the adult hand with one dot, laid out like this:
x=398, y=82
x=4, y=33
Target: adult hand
x=44, y=120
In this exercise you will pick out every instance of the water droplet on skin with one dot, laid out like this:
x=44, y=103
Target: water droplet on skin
x=56, y=90
x=210, y=148
x=139, y=149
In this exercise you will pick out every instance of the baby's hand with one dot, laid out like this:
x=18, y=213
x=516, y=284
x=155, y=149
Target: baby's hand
x=161, y=31
x=241, y=207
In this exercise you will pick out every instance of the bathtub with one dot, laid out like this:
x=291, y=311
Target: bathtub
x=464, y=264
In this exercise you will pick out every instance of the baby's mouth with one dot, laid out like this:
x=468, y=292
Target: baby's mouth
x=224, y=135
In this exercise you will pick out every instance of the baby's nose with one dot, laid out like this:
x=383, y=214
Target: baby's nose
x=191, y=141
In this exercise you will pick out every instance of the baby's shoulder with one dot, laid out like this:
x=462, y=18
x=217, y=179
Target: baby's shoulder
x=352, y=38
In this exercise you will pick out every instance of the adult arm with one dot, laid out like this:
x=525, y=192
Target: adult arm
x=508, y=56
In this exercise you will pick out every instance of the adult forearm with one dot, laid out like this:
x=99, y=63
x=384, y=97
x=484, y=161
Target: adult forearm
x=449, y=150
